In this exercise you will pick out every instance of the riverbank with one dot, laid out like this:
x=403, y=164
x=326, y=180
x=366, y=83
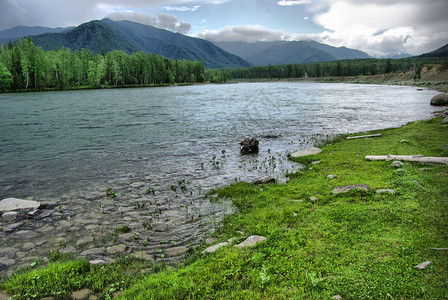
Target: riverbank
x=360, y=244
x=434, y=77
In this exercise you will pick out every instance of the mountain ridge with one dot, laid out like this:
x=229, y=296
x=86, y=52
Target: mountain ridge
x=292, y=52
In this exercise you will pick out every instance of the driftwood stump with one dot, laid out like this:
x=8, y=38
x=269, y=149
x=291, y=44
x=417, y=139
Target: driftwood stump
x=249, y=145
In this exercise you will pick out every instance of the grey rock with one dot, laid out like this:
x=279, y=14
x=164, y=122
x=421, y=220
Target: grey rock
x=344, y=189
x=337, y=297
x=397, y=164
x=143, y=255
x=306, y=152
x=314, y=198
x=445, y=120
x=14, y=204
x=266, y=179
x=422, y=265
x=117, y=249
x=249, y=145
x=13, y=226
x=439, y=100
x=9, y=215
x=383, y=191
x=331, y=176
x=92, y=252
x=5, y=263
x=176, y=251
x=251, y=241
x=316, y=162
x=24, y=234
x=213, y=248
x=97, y=262
x=82, y=294
x=84, y=240
x=210, y=241
x=28, y=246
x=400, y=170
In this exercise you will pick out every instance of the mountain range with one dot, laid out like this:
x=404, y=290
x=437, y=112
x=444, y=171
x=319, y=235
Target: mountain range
x=284, y=52
x=107, y=35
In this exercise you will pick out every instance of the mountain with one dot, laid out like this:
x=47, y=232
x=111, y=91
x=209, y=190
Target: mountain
x=284, y=52
x=441, y=52
x=18, y=32
x=107, y=35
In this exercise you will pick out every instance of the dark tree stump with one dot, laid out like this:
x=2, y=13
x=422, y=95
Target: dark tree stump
x=249, y=145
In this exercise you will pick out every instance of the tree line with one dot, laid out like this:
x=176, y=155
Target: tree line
x=349, y=67
x=23, y=66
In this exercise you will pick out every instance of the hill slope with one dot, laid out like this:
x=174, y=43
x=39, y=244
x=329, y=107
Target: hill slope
x=284, y=52
x=441, y=52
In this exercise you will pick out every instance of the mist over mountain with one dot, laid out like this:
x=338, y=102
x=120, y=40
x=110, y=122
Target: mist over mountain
x=285, y=52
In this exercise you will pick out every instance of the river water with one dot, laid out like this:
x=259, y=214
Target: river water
x=55, y=142
x=68, y=148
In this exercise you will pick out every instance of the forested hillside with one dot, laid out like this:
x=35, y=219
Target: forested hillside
x=23, y=66
x=350, y=67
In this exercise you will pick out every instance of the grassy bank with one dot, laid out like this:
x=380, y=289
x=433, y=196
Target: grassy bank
x=358, y=245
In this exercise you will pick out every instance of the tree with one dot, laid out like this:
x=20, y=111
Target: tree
x=5, y=77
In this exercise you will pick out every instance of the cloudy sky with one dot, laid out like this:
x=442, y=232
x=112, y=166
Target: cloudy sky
x=378, y=27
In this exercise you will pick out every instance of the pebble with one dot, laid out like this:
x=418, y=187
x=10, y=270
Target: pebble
x=382, y=191
x=331, y=176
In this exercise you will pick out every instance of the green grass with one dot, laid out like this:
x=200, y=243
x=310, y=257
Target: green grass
x=359, y=245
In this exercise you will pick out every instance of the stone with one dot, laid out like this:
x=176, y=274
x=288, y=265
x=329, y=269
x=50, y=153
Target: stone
x=12, y=226
x=383, y=191
x=314, y=199
x=92, y=252
x=143, y=255
x=345, y=189
x=266, y=179
x=176, y=251
x=400, y=170
x=210, y=241
x=24, y=234
x=422, y=265
x=444, y=121
x=84, y=240
x=14, y=204
x=4, y=296
x=97, y=262
x=82, y=294
x=5, y=263
x=9, y=215
x=316, y=162
x=439, y=100
x=251, y=241
x=306, y=152
x=331, y=176
x=117, y=249
x=28, y=246
x=337, y=297
x=397, y=164
x=249, y=145
x=404, y=141
x=214, y=248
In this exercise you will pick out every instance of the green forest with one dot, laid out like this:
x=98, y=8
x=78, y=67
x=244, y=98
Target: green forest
x=25, y=67
x=348, y=67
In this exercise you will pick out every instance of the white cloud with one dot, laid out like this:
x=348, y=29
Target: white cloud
x=163, y=21
x=244, y=33
x=182, y=8
x=292, y=2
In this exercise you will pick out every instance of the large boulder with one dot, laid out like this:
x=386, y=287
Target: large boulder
x=440, y=99
x=249, y=145
x=14, y=204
